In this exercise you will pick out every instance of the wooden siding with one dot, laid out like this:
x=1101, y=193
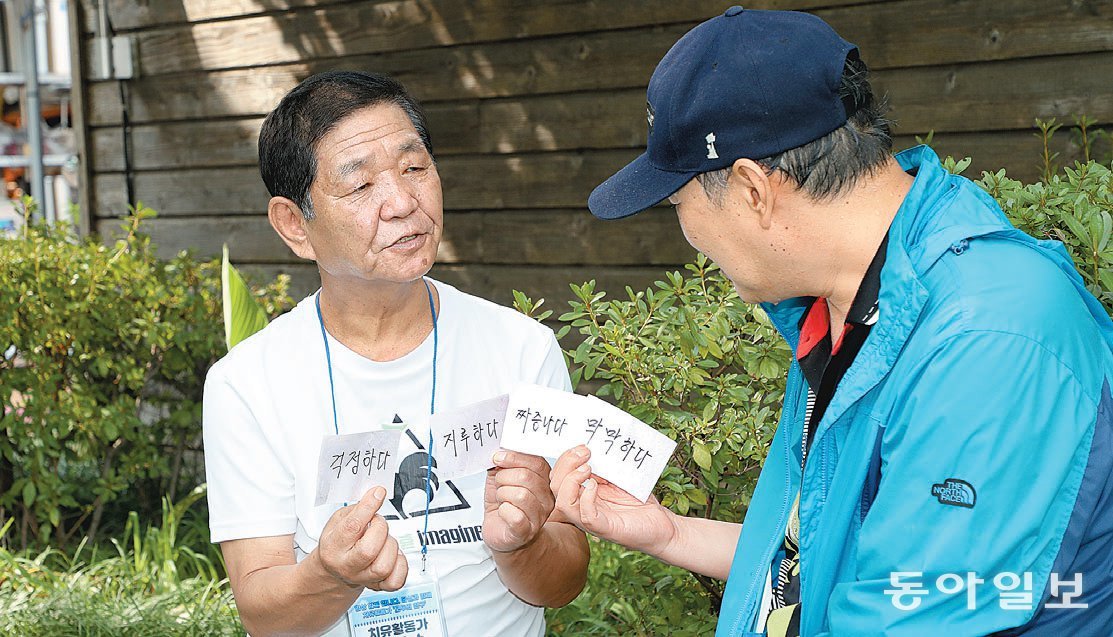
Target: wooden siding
x=531, y=104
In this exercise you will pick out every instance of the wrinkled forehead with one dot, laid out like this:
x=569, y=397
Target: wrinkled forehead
x=373, y=137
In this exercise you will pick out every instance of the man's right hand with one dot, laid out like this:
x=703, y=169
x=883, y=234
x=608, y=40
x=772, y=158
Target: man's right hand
x=357, y=549
x=606, y=511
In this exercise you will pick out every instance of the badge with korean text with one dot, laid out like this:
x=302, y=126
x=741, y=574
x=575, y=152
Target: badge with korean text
x=412, y=611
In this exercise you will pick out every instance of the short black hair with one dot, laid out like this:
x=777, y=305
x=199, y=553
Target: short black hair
x=834, y=163
x=290, y=133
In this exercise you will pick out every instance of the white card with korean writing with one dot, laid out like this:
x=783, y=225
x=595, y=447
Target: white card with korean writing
x=544, y=421
x=625, y=451
x=464, y=439
x=351, y=464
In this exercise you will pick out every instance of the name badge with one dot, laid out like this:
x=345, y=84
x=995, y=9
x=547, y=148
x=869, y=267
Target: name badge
x=412, y=611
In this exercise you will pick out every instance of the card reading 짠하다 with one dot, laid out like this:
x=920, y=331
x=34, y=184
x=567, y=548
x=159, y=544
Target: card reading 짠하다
x=351, y=464
x=544, y=421
x=464, y=439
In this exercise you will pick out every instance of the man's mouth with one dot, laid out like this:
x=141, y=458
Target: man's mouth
x=410, y=238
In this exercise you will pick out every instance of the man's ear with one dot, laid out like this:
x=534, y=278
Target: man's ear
x=286, y=219
x=753, y=187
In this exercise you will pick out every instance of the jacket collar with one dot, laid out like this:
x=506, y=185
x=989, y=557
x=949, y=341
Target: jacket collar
x=921, y=232
x=924, y=228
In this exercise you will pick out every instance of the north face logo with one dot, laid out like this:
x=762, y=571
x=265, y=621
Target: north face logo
x=955, y=492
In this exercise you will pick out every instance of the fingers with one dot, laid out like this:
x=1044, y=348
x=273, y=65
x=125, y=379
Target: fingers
x=369, y=547
x=354, y=540
x=589, y=507
x=567, y=463
x=505, y=459
x=535, y=505
x=359, y=515
x=397, y=578
x=383, y=566
x=518, y=524
x=389, y=570
x=523, y=478
x=567, y=497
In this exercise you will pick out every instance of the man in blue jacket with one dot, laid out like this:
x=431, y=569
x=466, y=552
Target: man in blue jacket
x=944, y=458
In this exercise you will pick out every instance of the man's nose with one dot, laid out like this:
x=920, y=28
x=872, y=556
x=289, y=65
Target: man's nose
x=399, y=199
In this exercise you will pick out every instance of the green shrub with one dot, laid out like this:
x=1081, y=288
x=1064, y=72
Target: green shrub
x=1074, y=207
x=689, y=357
x=103, y=355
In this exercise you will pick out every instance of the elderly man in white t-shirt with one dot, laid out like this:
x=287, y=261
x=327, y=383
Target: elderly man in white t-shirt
x=348, y=162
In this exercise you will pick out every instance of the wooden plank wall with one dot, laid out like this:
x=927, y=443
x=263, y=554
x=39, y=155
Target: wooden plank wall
x=531, y=104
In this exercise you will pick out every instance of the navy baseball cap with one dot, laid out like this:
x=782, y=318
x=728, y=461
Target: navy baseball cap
x=747, y=83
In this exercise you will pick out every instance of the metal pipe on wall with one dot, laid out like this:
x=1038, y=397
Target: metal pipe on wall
x=33, y=112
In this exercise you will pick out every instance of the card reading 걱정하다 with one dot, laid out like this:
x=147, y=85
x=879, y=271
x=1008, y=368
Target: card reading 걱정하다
x=351, y=464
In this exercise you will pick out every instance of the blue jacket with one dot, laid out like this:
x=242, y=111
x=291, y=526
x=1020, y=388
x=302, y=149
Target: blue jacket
x=972, y=434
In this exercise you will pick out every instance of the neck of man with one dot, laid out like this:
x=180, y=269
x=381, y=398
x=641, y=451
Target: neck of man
x=379, y=321
x=851, y=229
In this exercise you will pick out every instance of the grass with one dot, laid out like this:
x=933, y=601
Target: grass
x=150, y=584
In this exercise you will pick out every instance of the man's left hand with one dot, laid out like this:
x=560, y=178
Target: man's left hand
x=517, y=500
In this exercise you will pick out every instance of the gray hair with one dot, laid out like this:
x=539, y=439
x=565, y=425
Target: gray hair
x=832, y=164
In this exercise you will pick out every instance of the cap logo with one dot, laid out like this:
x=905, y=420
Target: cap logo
x=650, y=115
x=711, y=154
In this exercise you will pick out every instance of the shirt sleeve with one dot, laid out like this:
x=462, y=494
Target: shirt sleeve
x=982, y=458
x=553, y=371
x=250, y=491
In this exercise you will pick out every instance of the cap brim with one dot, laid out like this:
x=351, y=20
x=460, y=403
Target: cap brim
x=638, y=186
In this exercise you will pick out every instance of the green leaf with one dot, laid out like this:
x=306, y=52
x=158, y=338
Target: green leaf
x=709, y=410
x=697, y=496
x=701, y=454
x=672, y=486
x=29, y=493
x=1106, y=277
x=713, y=348
x=682, y=504
x=243, y=316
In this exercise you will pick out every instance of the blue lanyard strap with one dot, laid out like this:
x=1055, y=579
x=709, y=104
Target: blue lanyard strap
x=432, y=402
x=328, y=363
x=432, y=407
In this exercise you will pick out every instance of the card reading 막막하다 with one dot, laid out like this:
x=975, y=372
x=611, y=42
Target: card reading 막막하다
x=624, y=450
x=351, y=464
x=464, y=439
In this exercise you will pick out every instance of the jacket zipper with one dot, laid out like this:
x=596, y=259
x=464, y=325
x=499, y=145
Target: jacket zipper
x=792, y=392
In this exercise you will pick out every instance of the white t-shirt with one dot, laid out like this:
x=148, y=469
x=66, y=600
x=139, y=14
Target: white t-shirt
x=267, y=408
